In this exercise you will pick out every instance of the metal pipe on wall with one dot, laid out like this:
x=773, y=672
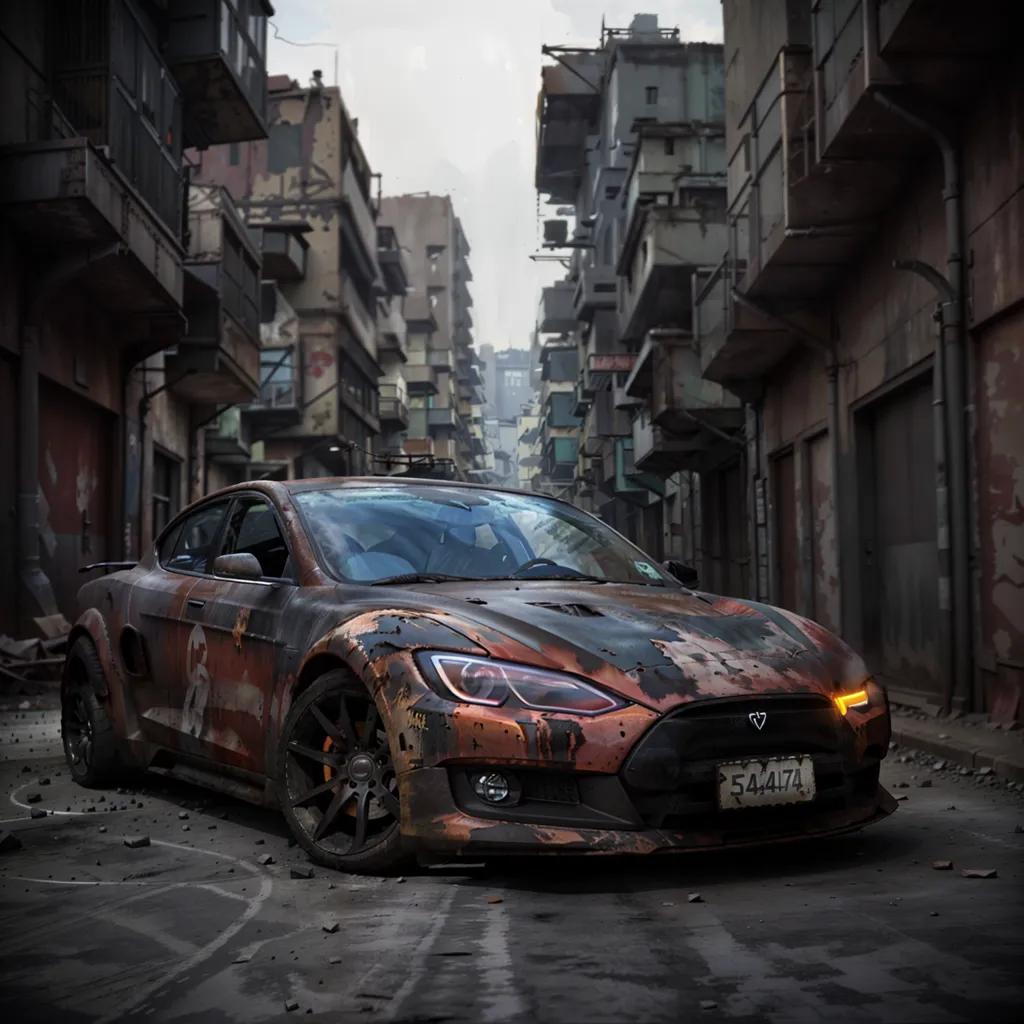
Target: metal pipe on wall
x=832, y=369
x=953, y=344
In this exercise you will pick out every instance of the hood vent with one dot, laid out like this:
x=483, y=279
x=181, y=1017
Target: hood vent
x=581, y=611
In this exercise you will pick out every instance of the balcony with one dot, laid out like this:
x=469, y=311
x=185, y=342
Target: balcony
x=420, y=378
x=670, y=243
x=557, y=314
x=661, y=453
x=419, y=314
x=392, y=262
x=217, y=51
x=597, y=288
x=63, y=194
x=285, y=250
x=606, y=419
x=392, y=334
x=561, y=458
x=569, y=103
x=228, y=439
x=941, y=51
x=363, y=217
x=279, y=402
x=360, y=321
x=442, y=449
x=737, y=344
x=620, y=477
x=442, y=419
x=393, y=407
x=602, y=369
x=217, y=360
x=668, y=375
x=440, y=358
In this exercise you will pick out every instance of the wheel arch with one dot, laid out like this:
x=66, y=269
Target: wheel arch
x=92, y=628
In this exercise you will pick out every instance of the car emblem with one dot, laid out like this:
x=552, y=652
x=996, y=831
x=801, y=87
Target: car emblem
x=757, y=719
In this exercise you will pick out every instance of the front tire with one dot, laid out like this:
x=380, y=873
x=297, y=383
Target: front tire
x=336, y=778
x=86, y=729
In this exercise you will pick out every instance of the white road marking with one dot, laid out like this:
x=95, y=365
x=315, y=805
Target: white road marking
x=148, y=930
x=418, y=960
x=501, y=1001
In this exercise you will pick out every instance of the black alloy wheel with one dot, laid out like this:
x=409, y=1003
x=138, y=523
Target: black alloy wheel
x=336, y=778
x=87, y=732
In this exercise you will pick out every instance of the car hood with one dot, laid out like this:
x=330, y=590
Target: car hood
x=660, y=647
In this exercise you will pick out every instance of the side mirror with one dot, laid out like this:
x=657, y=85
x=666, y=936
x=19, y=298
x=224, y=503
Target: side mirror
x=240, y=567
x=686, y=574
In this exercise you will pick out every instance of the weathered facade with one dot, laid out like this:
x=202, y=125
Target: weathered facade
x=443, y=433
x=117, y=336
x=307, y=195
x=855, y=354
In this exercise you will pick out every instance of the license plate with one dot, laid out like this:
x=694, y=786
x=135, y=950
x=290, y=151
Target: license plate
x=763, y=782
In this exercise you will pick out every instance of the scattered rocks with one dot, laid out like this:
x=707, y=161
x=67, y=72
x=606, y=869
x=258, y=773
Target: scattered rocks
x=942, y=865
x=495, y=899
x=668, y=904
x=334, y=960
x=260, y=842
x=332, y=927
x=38, y=812
x=185, y=828
x=925, y=784
x=291, y=1004
x=26, y=769
x=103, y=828
x=33, y=798
x=933, y=913
x=966, y=771
x=901, y=785
x=136, y=842
x=44, y=781
x=301, y=873
x=984, y=771
x=708, y=1004
x=979, y=873
x=1018, y=829
x=9, y=842
x=695, y=897
x=183, y=815
x=400, y=880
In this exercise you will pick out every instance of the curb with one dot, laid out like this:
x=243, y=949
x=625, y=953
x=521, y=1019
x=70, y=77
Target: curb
x=1008, y=766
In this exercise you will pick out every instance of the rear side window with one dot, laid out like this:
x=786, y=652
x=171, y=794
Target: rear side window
x=189, y=547
x=252, y=529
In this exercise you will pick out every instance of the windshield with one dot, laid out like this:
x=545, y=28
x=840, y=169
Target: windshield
x=367, y=534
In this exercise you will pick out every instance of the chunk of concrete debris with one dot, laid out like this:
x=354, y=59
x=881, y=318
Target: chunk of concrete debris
x=939, y=765
x=979, y=873
x=242, y=958
x=33, y=798
x=695, y=897
x=292, y=1004
x=331, y=927
x=136, y=842
x=985, y=771
x=185, y=828
x=1018, y=829
x=495, y=899
x=301, y=872
x=103, y=828
x=334, y=960
x=44, y=781
x=259, y=842
x=38, y=812
x=9, y=842
x=26, y=769
x=708, y=1004
x=183, y=815
x=925, y=784
x=942, y=865
x=966, y=771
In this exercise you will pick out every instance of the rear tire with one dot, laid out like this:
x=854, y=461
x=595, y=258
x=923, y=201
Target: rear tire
x=86, y=729
x=336, y=781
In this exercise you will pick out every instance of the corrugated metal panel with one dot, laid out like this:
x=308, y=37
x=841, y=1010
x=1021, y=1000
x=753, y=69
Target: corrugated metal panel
x=76, y=444
x=906, y=553
x=824, y=555
x=787, y=543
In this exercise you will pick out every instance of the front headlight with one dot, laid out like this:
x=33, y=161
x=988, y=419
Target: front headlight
x=492, y=683
x=870, y=695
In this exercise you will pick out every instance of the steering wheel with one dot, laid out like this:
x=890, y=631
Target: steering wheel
x=532, y=562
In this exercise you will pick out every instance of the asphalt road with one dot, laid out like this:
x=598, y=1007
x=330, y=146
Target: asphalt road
x=194, y=927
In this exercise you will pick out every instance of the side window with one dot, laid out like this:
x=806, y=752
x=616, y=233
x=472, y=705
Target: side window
x=253, y=530
x=193, y=541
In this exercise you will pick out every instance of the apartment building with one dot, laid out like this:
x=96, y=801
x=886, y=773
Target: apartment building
x=127, y=310
x=853, y=358
x=631, y=133
x=444, y=434
x=307, y=195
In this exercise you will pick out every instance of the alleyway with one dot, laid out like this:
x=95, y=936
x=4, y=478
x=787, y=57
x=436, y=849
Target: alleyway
x=194, y=926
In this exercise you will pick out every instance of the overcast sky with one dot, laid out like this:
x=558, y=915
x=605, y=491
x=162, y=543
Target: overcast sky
x=446, y=97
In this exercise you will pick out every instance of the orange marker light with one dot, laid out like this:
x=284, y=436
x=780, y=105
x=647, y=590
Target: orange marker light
x=846, y=701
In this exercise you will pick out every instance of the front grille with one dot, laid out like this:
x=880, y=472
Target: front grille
x=671, y=775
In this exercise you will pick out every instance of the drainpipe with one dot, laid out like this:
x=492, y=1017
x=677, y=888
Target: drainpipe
x=34, y=580
x=953, y=344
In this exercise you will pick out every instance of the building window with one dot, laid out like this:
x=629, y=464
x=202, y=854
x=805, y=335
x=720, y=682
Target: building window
x=234, y=154
x=277, y=377
x=561, y=413
x=166, y=490
x=652, y=94
x=670, y=147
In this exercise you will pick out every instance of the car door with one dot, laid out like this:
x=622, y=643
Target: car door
x=157, y=609
x=232, y=667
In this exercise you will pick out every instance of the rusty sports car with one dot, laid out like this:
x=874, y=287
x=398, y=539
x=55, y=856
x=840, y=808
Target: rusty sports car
x=414, y=666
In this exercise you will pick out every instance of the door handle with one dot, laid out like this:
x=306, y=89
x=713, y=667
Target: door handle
x=195, y=603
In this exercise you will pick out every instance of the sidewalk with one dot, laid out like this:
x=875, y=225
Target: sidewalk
x=970, y=744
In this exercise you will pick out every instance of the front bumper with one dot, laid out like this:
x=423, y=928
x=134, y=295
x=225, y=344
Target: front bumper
x=661, y=796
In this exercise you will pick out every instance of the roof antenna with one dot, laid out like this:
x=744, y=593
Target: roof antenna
x=316, y=83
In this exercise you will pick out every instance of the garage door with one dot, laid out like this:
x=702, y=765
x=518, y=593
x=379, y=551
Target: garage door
x=903, y=556
x=77, y=454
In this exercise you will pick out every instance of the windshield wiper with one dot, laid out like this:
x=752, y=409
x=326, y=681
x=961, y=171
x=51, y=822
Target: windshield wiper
x=419, y=577
x=583, y=578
